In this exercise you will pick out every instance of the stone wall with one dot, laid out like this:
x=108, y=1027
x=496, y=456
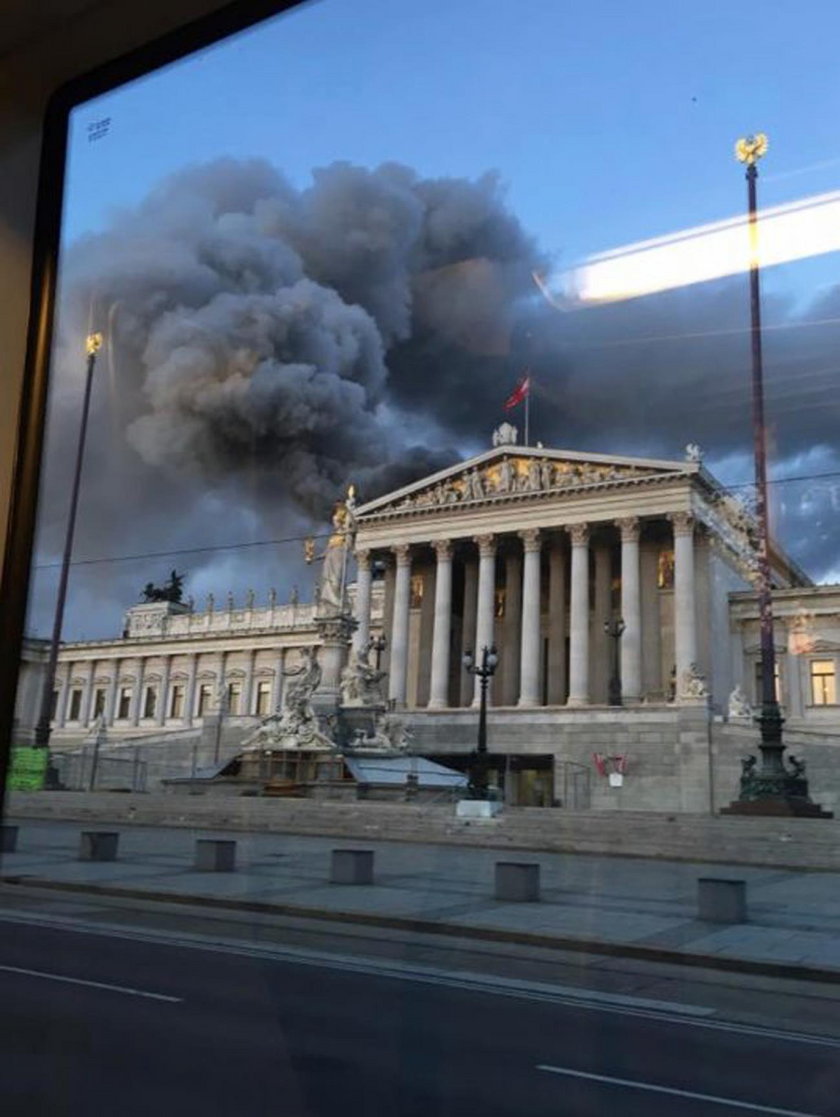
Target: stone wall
x=792, y=843
x=667, y=748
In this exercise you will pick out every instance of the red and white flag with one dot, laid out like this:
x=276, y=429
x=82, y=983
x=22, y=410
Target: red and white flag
x=519, y=393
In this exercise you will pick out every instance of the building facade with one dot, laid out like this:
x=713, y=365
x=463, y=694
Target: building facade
x=616, y=592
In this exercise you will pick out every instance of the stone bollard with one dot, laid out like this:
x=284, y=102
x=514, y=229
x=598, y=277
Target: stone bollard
x=8, y=839
x=215, y=856
x=352, y=866
x=517, y=881
x=721, y=901
x=98, y=845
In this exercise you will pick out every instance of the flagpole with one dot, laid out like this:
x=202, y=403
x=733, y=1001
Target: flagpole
x=528, y=416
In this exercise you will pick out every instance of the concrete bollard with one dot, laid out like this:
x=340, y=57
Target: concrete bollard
x=8, y=839
x=98, y=845
x=214, y=856
x=721, y=901
x=352, y=866
x=517, y=881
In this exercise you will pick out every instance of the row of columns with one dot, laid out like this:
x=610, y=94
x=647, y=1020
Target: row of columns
x=530, y=628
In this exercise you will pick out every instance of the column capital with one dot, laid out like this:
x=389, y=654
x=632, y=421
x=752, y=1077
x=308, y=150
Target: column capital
x=363, y=559
x=683, y=522
x=579, y=534
x=443, y=549
x=403, y=553
x=530, y=539
x=630, y=528
x=486, y=545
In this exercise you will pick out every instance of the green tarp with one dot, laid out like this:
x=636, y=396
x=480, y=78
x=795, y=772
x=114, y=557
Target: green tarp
x=28, y=768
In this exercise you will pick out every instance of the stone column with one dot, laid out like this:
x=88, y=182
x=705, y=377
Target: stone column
x=511, y=638
x=390, y=580
x=631, y=611
x=64, y=697
x=468, y=625
x=189, y=698
x=485, y=605
x=278, y=680
x=600, y=649
x=163, y=696
x=685, y=620
x=361, y=637
x=138, y=692
x=87, y=696
x=556, y=625
x=579, y=618
x=111, y=696
x=397, y=680
x=439, y=688
x=248, y=684
x=114, y=696
x=529, y=677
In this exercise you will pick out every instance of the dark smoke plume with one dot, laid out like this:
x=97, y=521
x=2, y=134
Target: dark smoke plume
x=267, y=345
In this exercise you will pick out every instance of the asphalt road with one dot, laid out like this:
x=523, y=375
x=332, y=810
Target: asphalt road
x=96, y=1024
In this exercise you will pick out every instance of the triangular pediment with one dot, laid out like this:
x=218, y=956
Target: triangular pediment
x=519, y=472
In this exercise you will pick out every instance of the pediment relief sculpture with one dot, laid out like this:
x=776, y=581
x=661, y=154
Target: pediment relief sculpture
x=513, y=475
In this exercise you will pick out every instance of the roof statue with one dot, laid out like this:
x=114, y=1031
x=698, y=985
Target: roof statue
x=172, y=590
x=505, y=435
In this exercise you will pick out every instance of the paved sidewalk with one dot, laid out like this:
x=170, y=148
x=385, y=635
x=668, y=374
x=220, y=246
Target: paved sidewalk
x=794, y=916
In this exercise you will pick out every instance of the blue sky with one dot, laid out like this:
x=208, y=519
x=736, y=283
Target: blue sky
x=608, y=122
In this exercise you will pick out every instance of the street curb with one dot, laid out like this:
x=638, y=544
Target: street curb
x=785, y=970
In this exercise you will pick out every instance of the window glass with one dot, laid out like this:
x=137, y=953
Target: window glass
x=823, y=682
x=454, y=389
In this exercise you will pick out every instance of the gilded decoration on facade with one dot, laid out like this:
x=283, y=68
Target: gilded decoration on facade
x=513, y=475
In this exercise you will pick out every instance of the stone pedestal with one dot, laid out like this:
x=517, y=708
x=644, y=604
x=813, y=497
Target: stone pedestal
x=777, y=808
x=352, y=866
x=335, y=633
x=477, y=808
x=517, y=881
x=212, y=856
x=721, y=900
x=8, y=839
x=98, y=845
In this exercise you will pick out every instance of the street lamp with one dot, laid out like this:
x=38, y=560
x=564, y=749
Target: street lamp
x=377, y=644
x=43, y=729
x=772, y=789
x=477, y=787
x=614, y=628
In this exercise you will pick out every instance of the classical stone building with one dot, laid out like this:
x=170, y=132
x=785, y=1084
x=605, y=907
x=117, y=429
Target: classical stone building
x=539, y=553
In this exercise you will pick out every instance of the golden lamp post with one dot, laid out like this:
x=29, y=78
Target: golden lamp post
x=772, y=788
x=93, y=344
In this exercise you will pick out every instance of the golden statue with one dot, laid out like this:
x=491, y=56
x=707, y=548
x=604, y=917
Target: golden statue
x=332, y=585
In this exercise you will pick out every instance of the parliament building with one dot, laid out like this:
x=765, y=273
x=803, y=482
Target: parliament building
x=616, y=591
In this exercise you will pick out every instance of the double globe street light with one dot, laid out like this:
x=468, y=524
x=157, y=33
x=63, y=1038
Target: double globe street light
x=483, y=671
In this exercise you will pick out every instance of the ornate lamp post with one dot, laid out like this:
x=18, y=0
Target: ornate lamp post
x=477, y=787
x=614, y=628
x=377, y=644
x=43, y=729
x=773, y=789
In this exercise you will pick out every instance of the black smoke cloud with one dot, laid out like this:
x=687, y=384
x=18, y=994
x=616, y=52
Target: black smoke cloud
x=266, y=345
x=249, y=328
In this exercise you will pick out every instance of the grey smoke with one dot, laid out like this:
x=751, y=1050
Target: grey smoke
x=269, y=344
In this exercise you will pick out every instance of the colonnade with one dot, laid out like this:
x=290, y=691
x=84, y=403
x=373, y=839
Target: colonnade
x=480, y=600
x=113, y=675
